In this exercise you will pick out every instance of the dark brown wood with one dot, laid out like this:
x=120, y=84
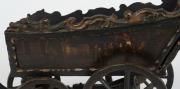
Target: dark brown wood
x=42, y=83
x=92, y=49
x=139, y=35
x=154, y=81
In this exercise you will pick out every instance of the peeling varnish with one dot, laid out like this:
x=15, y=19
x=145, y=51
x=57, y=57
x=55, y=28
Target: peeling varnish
x=14, y=56
x=178, y=43
x=53, y=70
x=93, y=69
x=127, y=39
x=141, y=46
x=171, y=41
x=120, y=45
x=13, y=48
x=12, y=40
x=70, y=50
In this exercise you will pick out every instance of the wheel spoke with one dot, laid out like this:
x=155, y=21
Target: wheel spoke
x=164, y=77
x=119, y=82
x=105, y=83
x=108, y=78
x=127, y=79
x=136, y=82
x=150, y=86
x=146, y=83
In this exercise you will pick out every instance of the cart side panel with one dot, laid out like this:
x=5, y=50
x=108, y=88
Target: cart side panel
x=53, y=53
x=138, y=45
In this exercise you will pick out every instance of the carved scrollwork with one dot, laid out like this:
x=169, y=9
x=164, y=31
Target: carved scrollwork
x=97, y=21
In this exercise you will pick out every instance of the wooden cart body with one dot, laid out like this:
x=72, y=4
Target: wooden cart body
x=84, y=51
x=137, y=42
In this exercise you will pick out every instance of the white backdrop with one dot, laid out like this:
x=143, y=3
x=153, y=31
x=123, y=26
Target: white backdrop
x=13, y=10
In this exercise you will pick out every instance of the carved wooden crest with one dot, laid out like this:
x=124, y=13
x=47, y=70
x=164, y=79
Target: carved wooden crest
x=93, y=19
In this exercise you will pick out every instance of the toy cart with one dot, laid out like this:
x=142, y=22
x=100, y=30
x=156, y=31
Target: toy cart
x=137, y=43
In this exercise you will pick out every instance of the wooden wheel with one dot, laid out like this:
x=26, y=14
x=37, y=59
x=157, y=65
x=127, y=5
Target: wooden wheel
x=11, y=80
x=134, y=77
x=169, y=77
x=42, y=83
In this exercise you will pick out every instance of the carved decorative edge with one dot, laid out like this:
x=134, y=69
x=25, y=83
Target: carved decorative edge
x=93, y=19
